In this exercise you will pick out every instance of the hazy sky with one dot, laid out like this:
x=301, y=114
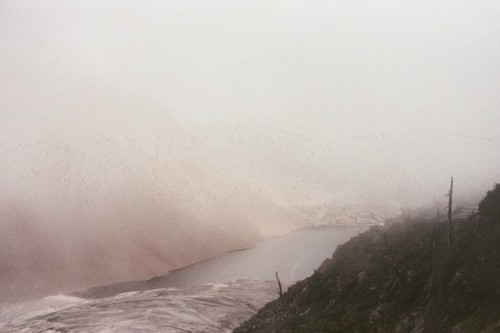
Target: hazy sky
x=115, y=108
x=421, y=75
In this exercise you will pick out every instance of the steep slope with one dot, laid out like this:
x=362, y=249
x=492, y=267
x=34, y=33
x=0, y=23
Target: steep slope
x=101, y=209
x=400, y=278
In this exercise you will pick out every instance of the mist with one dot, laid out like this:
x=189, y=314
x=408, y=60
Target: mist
x=138, y=137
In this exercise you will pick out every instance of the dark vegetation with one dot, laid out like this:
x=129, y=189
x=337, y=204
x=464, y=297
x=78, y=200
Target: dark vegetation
x=402, y=277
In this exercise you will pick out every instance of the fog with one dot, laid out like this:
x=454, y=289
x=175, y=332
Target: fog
x=137, y=137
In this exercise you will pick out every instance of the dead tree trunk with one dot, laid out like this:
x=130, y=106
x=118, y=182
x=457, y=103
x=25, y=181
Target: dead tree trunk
x=450, y=203
x=281, y=290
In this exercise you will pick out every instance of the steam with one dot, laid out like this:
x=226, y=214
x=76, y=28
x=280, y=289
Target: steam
x=136, y=138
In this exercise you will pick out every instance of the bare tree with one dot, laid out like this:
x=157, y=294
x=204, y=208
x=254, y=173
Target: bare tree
x=281, y=290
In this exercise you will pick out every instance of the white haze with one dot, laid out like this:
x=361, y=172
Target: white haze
x=141, y=136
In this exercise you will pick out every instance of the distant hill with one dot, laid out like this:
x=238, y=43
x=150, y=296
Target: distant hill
x=401, y=277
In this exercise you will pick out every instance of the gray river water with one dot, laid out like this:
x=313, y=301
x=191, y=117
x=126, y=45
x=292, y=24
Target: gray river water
x=294, y=256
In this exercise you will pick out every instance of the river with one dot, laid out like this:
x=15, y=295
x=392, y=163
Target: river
x=294, y=256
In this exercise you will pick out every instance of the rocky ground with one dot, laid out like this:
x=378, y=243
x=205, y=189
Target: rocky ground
x=204, y=308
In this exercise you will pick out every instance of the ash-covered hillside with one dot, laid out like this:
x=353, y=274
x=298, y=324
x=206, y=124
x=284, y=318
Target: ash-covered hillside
x=402, y=277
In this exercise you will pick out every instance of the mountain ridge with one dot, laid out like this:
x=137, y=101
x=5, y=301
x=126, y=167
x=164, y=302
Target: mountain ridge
x=401, y=277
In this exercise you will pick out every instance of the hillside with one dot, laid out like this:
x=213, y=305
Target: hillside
x=402, y=277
